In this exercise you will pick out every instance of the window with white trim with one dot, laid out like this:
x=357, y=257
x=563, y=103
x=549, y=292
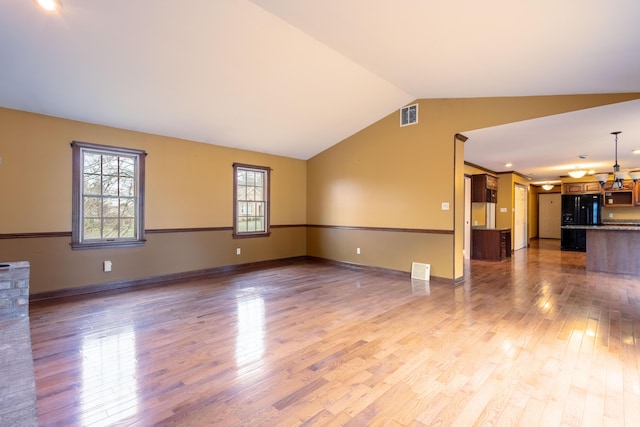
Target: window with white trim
x=251, y=200
x=409, y=115
x=108, y=196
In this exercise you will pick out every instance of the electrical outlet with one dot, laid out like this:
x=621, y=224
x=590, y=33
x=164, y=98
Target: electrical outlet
x=106, y=266
x=610, y=214
x=358, y=251
x=238, y=251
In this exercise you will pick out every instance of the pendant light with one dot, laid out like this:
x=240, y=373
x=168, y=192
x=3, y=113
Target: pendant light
x=618, y=175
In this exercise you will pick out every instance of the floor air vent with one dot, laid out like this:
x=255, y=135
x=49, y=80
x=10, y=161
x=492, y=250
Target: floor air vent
x=420, y=271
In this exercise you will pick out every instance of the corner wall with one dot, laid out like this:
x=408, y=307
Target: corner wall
x=389, y=177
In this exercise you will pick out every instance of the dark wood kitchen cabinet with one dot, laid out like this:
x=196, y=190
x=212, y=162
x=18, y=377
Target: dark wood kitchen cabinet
x=491, y=243
x=484, y=188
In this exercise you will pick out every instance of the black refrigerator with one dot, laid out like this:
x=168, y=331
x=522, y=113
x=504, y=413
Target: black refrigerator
x=579, y=209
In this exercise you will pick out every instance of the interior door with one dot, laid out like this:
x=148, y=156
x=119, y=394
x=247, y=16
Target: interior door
x=467, y=217
x=520, y=218
x=549, y=215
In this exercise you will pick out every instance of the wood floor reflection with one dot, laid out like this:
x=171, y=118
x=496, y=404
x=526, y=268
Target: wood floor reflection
x=534, y=340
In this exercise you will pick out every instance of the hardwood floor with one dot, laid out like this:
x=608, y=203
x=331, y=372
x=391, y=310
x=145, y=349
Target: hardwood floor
x=532, y=340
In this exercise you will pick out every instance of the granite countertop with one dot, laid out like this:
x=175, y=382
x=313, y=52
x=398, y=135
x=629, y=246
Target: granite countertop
x=620, y=226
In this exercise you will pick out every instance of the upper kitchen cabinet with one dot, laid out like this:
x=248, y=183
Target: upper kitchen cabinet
x=582, y=188
x=484, y=188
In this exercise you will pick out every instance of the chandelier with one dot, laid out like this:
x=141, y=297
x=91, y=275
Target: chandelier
x=618, y=175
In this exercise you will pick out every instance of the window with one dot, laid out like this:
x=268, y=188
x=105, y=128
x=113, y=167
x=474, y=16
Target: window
x=108, y=196
x=251, y=196
x=409, y=115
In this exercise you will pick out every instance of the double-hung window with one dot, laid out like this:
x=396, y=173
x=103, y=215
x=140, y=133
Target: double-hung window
x=108, y=196
x=251, y=200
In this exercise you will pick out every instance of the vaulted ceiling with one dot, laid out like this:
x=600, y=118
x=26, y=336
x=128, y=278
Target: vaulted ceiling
x=294, y=77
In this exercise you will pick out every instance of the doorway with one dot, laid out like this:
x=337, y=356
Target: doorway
x=520, y=218
x=549, y=215
x=467, y=217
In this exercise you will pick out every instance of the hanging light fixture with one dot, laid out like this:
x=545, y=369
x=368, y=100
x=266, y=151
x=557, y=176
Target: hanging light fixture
x=547, y=187
x=577, y=173
x=618, y=175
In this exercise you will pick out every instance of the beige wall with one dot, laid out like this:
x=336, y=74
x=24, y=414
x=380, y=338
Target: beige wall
x=388, y=176
x=506, y=201
x=188, y=185
x=386, y=184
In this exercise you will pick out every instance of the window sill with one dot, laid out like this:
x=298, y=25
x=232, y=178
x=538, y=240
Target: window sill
x=104, y=245
x=249, y=235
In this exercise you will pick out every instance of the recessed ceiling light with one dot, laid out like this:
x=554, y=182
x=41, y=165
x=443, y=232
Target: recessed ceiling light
x=637, y=151
x=508, y=165
x=49, y=5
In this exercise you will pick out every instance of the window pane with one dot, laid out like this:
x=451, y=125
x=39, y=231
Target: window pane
x=109, y=185
x=127, y=228
x=242, y=193
x=110, y=228
x=92, y=163
x=110, y=208
x=127, y=208
x=127, y=187
x=92, y=207
x=92, y=184
x=258, y=194
x=92, y=229
x=110, y=165
x=127, y=167
x=242, y=177
x=251, y=178
x=251, y=193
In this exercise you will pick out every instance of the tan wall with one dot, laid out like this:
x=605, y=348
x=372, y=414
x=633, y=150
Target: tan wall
x=188, y=185
x=340, y=244
x=388, y=176
x=383, y=176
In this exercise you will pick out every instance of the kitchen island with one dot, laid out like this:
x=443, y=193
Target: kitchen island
x=612, y=247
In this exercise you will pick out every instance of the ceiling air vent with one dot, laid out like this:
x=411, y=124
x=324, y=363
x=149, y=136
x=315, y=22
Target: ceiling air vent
x=409, y=115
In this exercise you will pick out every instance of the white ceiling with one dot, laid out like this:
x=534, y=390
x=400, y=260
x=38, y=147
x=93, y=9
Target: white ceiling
x=294, y=77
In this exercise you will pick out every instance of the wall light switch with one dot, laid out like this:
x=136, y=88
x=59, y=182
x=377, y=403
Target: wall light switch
x=610, y=214
x=106, y=266
x=238, y=251
x=358, y=251
x=445, y=206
